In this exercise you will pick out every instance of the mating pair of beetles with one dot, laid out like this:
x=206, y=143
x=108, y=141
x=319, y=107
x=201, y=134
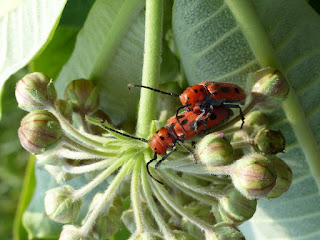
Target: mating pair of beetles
x=207, y=106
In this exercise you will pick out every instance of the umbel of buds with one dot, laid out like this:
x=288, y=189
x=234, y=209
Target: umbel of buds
x=269, y=141
x=60, y=205
x=213, y=149
x=39, y=130
x=270, y=88
x=83, y=95
x=236, y=208
x=35, y=91
x=254, y=175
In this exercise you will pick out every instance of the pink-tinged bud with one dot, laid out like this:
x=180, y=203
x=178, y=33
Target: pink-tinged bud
x=35, y=91
x=270, y=88
x=284, y=177
x=254, y=175
x=60, y=205
x=83, y=95
x=225, y=231
x=39, y=130
x=236, y=208
x=269, y=141
x=214, y=150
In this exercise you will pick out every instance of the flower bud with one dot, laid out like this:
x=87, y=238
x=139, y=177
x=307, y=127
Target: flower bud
x=83, y=95
x=284, y=177
x=269, y=141
x=236, y=208
x=253, y=175
x=254, y=121
x=60, y=205
x=214, y=150
x=35, y=91
x=109, y=221
x=225, y=231
x=200, y=210
x=65, y=108
x=70, y=232
x=128, y=220
x=270, y=88
x=38, y=131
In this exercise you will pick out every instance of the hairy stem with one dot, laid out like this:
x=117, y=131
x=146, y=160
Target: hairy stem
x=151, y=65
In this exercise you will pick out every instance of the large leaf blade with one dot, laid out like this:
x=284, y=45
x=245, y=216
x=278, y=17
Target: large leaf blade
x=226, y=51
x=25, y=26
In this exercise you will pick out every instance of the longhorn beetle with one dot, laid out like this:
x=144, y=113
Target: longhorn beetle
x=174, y=133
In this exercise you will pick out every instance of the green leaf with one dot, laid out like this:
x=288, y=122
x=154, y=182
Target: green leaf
x=109, y=50
x=56, y=53
x=224, y=41
x=25, y=26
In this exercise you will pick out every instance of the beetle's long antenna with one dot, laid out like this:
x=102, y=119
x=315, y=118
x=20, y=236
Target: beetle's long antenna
x=123, y=134
x=153, y=89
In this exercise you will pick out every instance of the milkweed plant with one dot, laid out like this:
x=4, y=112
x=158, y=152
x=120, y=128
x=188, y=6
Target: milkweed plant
x=208, y=200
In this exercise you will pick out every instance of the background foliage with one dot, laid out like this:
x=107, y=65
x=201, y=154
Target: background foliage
x=103, y=40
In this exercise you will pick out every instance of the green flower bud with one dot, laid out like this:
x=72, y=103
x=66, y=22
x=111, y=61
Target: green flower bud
x=60, y=205
x=214, y=150
x=70, y=232
x=227, y=232
x=269, y=141
x=109, y=221
x=83, y=95
x=253, y=175
x=35, y=91
x=284, y=177
x=270, y=88
x=201, y=211
x=254, y=121
x=38, y=131
x=236, y=208
x=65, y=108
x=128, y=220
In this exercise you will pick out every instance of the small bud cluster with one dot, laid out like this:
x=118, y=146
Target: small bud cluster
x=207, y=200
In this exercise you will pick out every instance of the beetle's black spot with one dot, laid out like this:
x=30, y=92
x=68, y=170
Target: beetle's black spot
x=180, y=116
x=162, y=138
x=192, y=125
x=188, y=98
x=217, y=85
x=184, y=122
x=199, y=123
x=155, y=149
x=213, y=116
x=237, y=90
x=168, y=135
x=214, y=93
x=172, y=125
x=225, y=89
x=201, y=89
x=195, y=90
x=157, y=131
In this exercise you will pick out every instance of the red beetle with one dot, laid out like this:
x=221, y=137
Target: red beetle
x=180, y=128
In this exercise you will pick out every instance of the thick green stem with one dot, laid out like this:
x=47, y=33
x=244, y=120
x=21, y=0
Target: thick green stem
x=151, y=65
